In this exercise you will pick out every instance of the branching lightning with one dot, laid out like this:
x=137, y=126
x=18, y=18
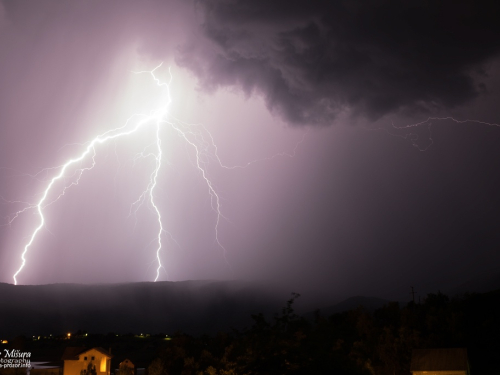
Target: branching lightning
x=139, y=121
x=196, y=137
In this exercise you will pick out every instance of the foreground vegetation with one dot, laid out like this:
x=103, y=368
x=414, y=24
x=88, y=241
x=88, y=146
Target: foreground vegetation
x=352, y=342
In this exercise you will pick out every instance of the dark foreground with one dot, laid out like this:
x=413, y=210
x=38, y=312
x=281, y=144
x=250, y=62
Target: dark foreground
x=352, y=342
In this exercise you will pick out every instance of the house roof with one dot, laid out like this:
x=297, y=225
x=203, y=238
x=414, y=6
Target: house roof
x=445, y=359
x=73, y=352
x=100, y=350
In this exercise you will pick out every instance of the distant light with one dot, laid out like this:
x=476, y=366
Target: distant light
x=69, y=335
x=5, y=342
x=86, y=334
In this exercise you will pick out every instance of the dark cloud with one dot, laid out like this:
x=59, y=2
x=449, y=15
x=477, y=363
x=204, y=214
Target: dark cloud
x=315, y=59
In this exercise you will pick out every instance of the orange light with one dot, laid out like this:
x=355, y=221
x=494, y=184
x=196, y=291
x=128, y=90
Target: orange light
x=69, y=334
x=5, y=342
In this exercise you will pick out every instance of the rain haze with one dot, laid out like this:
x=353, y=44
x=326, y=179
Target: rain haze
x=338, y=194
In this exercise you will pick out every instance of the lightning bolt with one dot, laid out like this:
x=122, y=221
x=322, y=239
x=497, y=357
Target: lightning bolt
x=195, y=136
x=139, y=121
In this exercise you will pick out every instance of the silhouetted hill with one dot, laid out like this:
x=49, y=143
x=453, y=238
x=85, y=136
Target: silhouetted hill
x=194, y=307
x=487, y=282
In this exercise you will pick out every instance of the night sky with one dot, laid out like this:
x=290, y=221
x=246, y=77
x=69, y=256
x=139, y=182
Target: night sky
x=345, y=197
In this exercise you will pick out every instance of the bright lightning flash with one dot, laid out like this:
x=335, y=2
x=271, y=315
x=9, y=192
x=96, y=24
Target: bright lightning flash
x=134, y=124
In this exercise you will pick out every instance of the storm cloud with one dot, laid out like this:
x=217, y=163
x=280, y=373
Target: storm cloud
x=368, y=58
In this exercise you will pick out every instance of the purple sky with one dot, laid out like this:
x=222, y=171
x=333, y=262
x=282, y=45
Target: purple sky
x=356, y=210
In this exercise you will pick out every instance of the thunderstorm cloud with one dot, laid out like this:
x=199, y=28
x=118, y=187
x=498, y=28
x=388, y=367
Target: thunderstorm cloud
x=368, y=58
